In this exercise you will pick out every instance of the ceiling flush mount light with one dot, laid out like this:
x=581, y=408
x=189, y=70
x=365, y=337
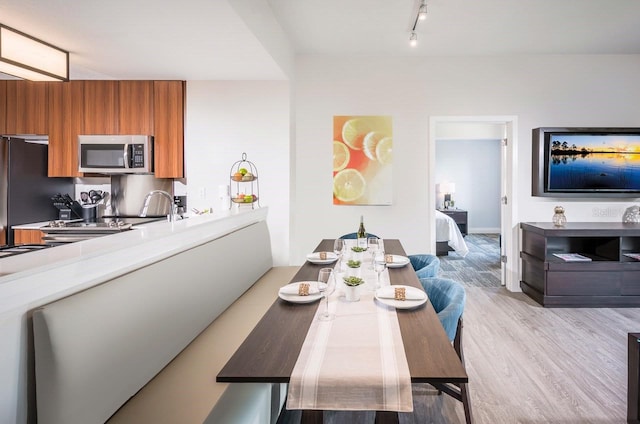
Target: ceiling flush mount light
x=26, y=57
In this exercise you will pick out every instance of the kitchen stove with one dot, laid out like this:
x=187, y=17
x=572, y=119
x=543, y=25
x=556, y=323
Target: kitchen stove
x=60, y=232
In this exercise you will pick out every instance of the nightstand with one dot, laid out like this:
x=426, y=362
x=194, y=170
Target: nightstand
x=460, y=218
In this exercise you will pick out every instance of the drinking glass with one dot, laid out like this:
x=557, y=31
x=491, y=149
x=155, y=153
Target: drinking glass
x=379, y=265
x=326, y=276
x=372, y=248
x=338, y=248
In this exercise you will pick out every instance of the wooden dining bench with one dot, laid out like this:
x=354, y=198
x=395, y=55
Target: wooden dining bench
x=146, y=346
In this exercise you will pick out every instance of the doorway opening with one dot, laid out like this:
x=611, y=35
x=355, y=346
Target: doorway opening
x=500, y=130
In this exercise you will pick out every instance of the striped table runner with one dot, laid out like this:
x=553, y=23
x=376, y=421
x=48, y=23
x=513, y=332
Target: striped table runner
x=357, y=360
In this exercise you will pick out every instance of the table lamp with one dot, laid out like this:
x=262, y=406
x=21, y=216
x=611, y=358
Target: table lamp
x=447, y=189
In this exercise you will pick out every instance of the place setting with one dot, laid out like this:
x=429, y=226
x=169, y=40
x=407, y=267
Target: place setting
x=401, y=297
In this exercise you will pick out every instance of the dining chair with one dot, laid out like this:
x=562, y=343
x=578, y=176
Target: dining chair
x=353, y=236
x=425, y=266
x=448, y=299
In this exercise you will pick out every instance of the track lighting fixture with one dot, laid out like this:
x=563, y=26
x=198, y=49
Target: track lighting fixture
x=420, y=16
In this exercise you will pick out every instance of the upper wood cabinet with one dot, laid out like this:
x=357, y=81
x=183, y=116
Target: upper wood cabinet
x=135, y=107
x=3, y=107
x=168, y=111
x=100, y=107
x=26, y=107
x=65, y=107
x=64, y=110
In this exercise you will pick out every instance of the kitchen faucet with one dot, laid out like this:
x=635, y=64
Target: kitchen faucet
x=147, y=200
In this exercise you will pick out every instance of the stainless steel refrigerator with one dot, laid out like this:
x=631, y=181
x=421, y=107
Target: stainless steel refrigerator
x=25, y=189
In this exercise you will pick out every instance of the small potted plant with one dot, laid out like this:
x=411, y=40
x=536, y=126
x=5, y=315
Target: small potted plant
x=352, y=292
x=357, y=252
x=353, y=268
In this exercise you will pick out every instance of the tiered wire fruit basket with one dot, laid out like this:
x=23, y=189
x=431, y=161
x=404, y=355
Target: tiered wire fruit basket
x=245, y=189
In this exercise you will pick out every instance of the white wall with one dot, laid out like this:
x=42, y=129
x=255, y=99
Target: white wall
x=540, y=90
x=474, y=167
x=225, y=119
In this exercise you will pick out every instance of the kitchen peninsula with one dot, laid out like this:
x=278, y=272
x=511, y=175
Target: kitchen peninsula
x=31, y=280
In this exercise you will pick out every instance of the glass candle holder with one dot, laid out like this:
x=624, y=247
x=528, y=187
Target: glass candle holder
x=559, y=219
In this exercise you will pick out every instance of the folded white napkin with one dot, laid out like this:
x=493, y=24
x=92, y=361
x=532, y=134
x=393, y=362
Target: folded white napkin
x=411, y=293
x=316, y=256
x=293, y=288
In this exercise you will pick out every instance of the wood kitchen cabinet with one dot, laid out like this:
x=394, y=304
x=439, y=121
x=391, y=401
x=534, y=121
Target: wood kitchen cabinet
x=26, y=107
x=27, y=236
x=3, y=107
x=135, y=107
x=64, y=110
x=168, y=119
x=65, y=107
x=100, y=107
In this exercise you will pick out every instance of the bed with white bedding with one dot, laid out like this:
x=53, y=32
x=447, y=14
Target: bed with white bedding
x=448, y=236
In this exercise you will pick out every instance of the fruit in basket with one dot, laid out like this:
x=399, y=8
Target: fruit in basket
x=247, y=177
x=237, y=176
x=240, y=197
x=248, y=198
x=243, y=171
x=254, y=197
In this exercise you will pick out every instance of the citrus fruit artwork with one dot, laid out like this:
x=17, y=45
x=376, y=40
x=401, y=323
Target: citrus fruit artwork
x=362, y=160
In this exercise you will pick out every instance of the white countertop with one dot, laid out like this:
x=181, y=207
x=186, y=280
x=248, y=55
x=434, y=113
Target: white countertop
x=31, y=226
x=35, y=278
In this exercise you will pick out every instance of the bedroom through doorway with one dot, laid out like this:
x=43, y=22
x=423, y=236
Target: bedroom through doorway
x=471, y=177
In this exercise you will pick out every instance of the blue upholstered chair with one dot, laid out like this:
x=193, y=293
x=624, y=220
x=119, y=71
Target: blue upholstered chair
x=448, y=298
x=425, y=266
x=353, y=236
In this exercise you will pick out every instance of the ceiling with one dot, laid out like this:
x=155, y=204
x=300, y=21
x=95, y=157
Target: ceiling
x=216, y=39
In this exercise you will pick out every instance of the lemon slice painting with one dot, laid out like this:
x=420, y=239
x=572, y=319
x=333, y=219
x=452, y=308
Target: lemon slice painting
x=362, y=160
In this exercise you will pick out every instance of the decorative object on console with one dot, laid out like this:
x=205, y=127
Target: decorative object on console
x=559, y=218
x=447, y=189
x=632, y=214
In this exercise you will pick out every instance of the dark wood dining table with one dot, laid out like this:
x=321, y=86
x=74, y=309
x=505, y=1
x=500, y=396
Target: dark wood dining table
x=270, y=351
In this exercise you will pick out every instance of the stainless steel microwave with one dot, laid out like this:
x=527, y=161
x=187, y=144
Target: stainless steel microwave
x=115, y=154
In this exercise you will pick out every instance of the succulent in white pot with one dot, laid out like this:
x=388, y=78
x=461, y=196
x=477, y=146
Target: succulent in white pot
x=352, y=289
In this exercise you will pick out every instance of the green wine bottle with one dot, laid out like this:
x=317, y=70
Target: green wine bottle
x=362, y=234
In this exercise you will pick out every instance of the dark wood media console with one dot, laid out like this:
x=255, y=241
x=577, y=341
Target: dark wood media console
x=610, y=279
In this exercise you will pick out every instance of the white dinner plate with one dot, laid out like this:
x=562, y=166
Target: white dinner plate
x=294, y=298
x=404, y=304
x=398, y=261
x=314, y=258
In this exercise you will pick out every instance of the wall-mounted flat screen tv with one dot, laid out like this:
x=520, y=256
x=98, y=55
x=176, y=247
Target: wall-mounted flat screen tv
x=586, y=162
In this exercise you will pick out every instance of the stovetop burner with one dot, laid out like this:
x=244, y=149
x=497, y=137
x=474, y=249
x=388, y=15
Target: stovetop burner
x=111, y=226
x=7, y=251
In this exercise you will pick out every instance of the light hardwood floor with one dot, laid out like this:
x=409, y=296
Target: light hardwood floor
x=532, y=365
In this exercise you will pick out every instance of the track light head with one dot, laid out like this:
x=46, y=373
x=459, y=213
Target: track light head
x=413, y=39
x=422, y=11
